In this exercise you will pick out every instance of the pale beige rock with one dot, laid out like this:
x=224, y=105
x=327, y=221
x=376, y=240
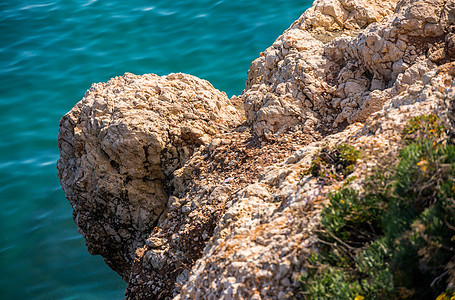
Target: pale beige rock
x=312, y=79
x=337, y=15
x=202, y=187
x=267, y=232
x=119, y=145
x=240, y=219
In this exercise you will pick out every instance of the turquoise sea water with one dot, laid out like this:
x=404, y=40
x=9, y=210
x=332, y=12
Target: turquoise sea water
x=50, y=53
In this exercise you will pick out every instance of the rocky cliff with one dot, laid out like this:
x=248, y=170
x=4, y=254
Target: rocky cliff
x=189, y=194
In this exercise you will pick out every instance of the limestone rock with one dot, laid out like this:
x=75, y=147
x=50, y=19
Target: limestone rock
x=203, y=186
x=261, y=244
x=182, y=205
x=336, y=15
x=119, y=147
x=305, y=82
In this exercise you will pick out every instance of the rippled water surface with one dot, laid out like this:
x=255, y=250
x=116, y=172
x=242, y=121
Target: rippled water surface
x=50, y=53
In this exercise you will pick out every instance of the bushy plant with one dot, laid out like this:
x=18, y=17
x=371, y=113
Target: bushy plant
x=396, y=241
x=334, y=164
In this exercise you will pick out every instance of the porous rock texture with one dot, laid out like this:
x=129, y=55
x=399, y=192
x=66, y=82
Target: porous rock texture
x=264, y=240
x=203, y=186
x=322, y=77
x=238, y=210
x=119, y=147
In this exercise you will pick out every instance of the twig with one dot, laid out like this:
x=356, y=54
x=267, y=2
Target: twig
x=448, y=224
x=438, y=278
x=337, y=239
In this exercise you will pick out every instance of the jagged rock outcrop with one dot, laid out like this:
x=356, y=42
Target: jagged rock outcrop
x=329, y=17
x=119, y=147
x=183, y=202
x=260, y=245
x=305, y=82
x=203, y=186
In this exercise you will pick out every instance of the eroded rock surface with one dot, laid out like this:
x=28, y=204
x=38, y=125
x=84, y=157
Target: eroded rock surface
x=327, y=17
x=305, y=82
x=264, y=240
x=119, y=147
x=203, y=186
x=184, y=205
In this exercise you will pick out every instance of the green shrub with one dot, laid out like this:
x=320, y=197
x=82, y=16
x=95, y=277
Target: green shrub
x=330, y=283
x=397, y=240
x=334, y=164
x=353, y=219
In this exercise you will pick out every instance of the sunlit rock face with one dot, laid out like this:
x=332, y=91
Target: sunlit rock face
x=341, y=60
x=119, y=147
x=184, y=201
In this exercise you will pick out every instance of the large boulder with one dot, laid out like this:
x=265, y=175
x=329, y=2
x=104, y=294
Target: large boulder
x=119, y=147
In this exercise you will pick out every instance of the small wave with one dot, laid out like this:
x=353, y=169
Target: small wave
x=166, y=13
x=89, y=3
x=148, y=8
x=47, y=163
x=32, y=6
x=200, y=16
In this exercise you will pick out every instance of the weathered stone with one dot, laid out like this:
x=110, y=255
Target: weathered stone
x=119, y=147
x=202, y=188
x=261, y=241
x=329, y=81
x=242, y=211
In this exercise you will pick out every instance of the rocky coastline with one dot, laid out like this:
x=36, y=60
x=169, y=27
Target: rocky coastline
x=188, y=194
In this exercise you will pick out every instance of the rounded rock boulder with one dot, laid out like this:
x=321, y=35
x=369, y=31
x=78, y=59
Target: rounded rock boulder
x=119, y=147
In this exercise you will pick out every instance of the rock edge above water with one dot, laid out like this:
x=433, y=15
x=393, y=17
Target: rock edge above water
x=188, y=194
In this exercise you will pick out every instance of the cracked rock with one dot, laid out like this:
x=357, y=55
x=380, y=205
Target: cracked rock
x=119, y=147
